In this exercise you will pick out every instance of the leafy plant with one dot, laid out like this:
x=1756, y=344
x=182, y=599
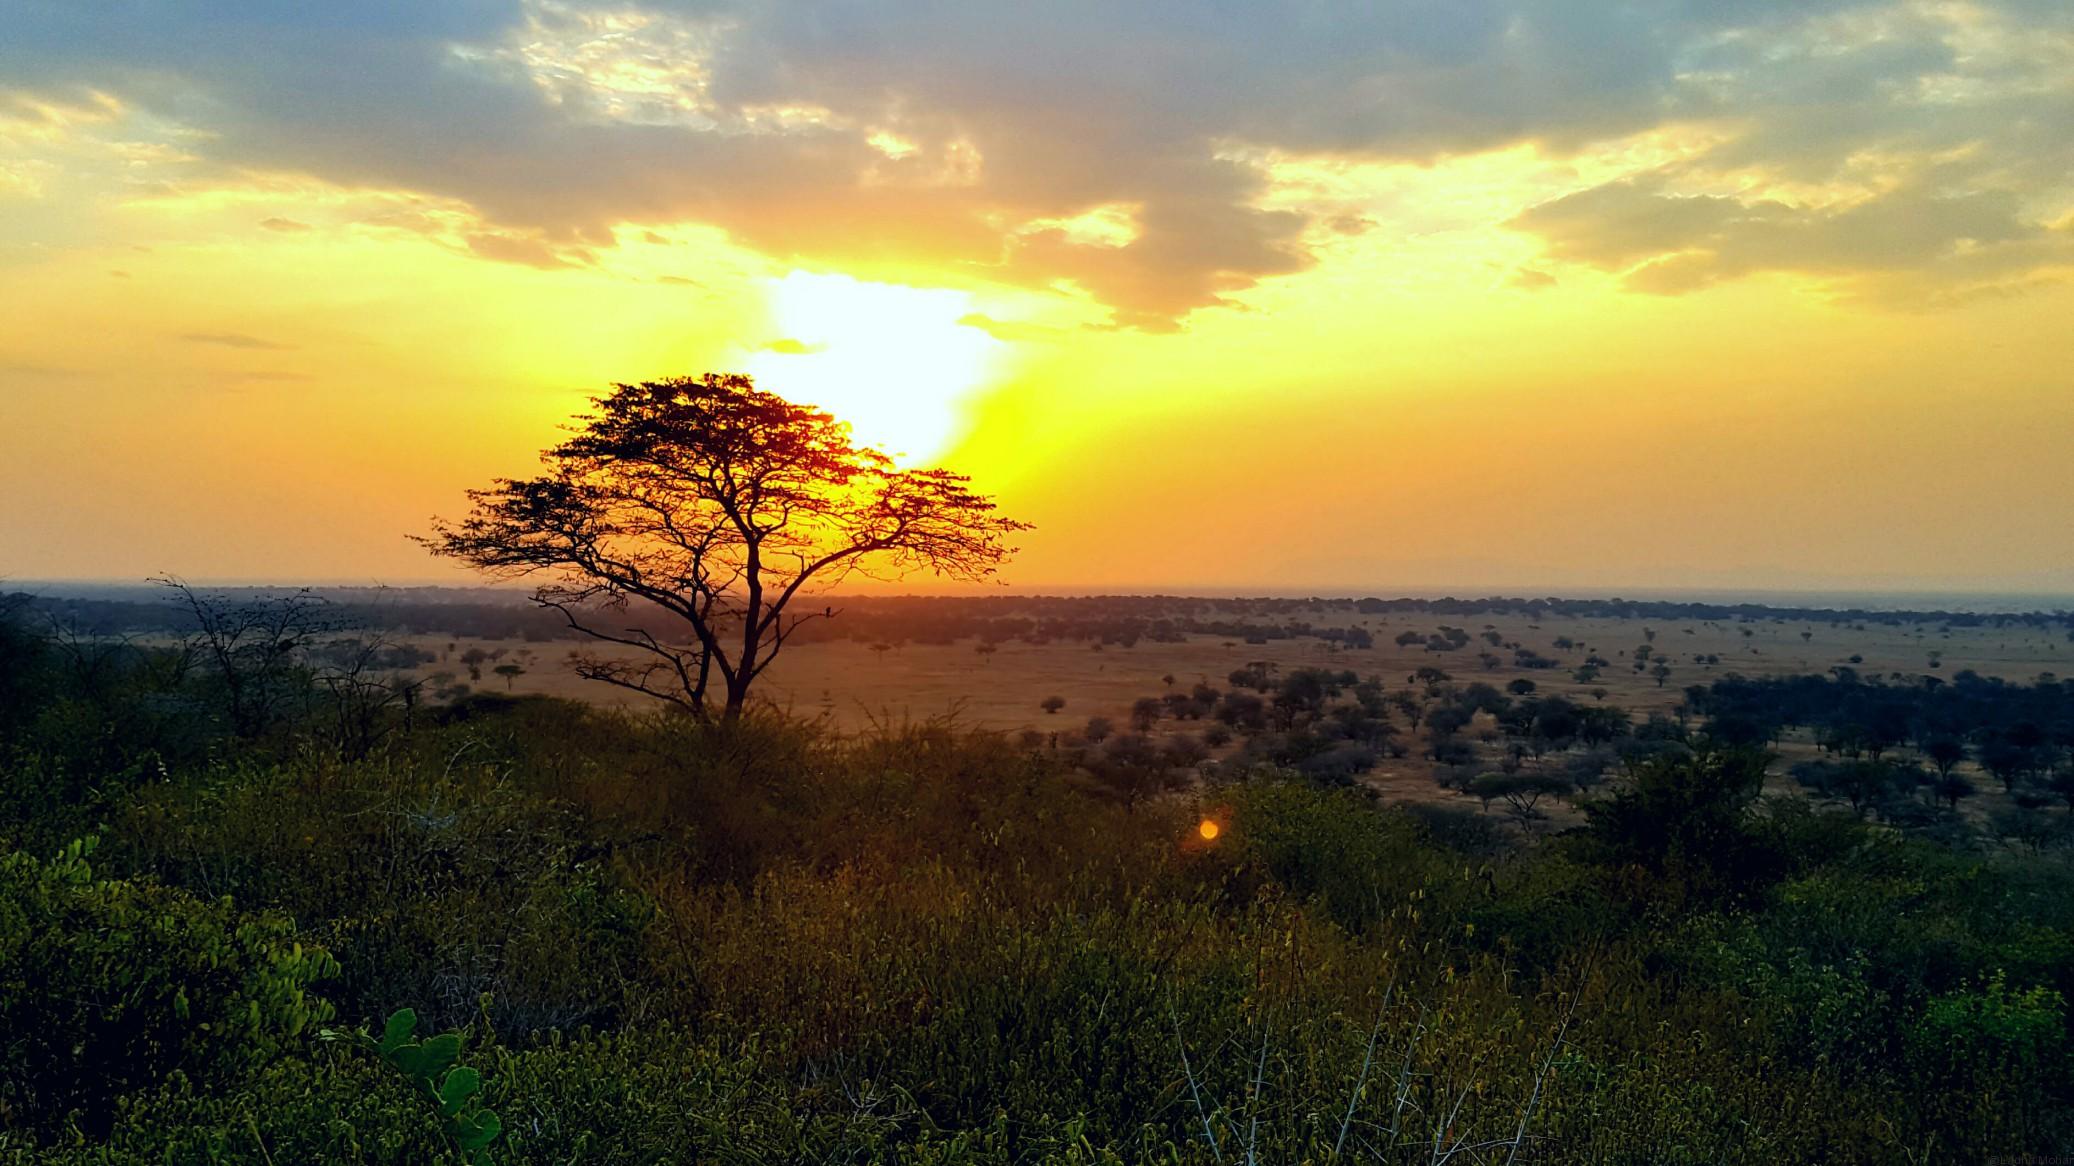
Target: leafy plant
x=429, y=1064
x=110, y=984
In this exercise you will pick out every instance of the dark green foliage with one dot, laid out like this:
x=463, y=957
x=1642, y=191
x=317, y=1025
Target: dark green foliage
x=1684, y=823
x=108, y=985
x=754, y=942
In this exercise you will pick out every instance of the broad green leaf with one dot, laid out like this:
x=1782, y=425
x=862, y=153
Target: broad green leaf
x=402, y=1023
x=478, y=1132
x=459, y=1085
x=428, y=1060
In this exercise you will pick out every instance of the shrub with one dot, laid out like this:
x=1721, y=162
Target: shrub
x=109, y=984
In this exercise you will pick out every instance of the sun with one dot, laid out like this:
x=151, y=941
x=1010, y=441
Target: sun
x=895, y=362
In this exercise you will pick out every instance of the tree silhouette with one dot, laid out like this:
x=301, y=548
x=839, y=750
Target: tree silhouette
x=1945, y=753
x=719, y=504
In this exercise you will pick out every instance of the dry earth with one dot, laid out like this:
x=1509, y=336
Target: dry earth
x=852, y=686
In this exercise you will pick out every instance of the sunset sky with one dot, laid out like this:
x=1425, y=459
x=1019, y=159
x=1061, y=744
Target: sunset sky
x=1567, y=295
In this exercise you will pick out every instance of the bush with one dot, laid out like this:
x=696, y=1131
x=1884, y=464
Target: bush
x=108, y=985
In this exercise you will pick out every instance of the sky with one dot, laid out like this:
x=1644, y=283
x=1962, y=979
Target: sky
x=1489, y=294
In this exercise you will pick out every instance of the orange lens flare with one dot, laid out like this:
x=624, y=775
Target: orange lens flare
x=1208, y=829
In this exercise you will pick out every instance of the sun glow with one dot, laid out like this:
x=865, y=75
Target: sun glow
x=1209, y=829
x=895, y=362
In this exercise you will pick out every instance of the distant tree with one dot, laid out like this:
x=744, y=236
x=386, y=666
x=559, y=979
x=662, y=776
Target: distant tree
x=1520, y=687
x=719, y=504
x=2007, y=762
x=1737, y=729
x=1945, y=753
x=1555, y=726
x=1133, y=768
x=1183, y=707
x=1146, y=712
x=1052, y=704
x=1865, y=783
x=1484, y=698
x=1258, y=676
x=1521, y=791
x=1098, y=729
x=1447, y=720
x=1586, y=768
x=1453, y=751
x=1950, y=787
x=1661, y=671
x=2061, y=782
x=1413, y=709
x=1185, y=750
x=1243, y=711
x=256, y=649
x=2024, y=826
x=1598, y=725
x=509, y=672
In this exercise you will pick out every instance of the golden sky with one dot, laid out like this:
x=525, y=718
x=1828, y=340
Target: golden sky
x=1477, y=294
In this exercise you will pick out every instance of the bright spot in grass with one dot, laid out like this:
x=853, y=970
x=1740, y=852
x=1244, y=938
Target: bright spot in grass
x=1208, y=829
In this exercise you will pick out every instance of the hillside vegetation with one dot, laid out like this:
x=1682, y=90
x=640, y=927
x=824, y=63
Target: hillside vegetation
x=251, y=916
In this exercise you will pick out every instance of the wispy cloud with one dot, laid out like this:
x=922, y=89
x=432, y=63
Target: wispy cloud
x=235, y=340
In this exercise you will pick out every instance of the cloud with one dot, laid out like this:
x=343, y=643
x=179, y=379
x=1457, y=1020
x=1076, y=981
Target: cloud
x=270, y=377
x=1902, y=153
x=235, y=340
x=14, y=370
x=912, y=134
x=1015, y=330
x=529, y=250
x=284, y=225
x=791, y=347
x=1669, y=244
x=1530, y=279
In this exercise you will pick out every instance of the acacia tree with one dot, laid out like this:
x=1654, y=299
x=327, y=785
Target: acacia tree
x=719, y=504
